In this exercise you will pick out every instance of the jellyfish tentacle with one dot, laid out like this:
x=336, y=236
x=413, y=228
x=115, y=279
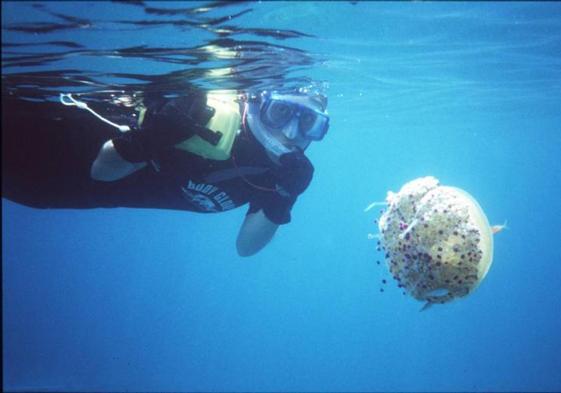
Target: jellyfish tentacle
x=373, y=205
x=498, y=228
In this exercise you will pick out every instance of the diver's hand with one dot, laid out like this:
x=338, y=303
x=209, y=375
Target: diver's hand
x=163, y=127
x=294, y=174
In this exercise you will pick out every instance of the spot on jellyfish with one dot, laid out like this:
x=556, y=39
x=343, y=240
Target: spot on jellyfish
x=437, y=240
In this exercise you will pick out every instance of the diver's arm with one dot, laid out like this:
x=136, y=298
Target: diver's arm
x=255, y=233
x=110, y=166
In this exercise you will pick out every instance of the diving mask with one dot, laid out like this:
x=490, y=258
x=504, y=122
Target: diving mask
x=294, y=119
x=285, y=123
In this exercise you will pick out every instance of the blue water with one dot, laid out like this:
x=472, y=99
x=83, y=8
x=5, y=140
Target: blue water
x=148, y=300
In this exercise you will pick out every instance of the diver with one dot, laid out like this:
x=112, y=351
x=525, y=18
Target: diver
x=203, y=152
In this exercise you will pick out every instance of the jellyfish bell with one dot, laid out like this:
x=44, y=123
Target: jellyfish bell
x=437, y=240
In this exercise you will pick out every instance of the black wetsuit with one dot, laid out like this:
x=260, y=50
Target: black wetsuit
x=48, y=150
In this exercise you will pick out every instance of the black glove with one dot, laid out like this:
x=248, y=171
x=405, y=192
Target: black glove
x=163, y=127
x=294, y=175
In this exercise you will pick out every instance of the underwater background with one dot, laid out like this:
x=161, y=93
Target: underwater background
x=153, y=300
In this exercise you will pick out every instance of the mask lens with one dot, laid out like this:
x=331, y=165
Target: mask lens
x=277, y=114
x=314, y=127
x=307, y=121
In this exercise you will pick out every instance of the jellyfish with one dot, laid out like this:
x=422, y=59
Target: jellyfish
x=437, y=240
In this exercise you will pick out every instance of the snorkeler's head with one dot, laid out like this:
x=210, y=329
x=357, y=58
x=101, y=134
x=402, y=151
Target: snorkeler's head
x=284, y=122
